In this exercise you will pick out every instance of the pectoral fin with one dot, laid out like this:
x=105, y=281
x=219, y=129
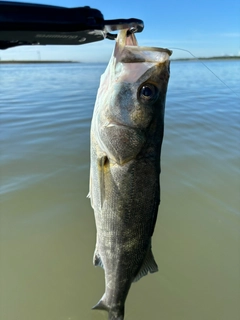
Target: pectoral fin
x=103, y=166
x=97, y=183
x=149, y=266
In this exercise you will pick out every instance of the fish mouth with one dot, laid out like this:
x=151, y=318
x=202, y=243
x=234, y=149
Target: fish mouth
x=130, y=38
x=128, y=51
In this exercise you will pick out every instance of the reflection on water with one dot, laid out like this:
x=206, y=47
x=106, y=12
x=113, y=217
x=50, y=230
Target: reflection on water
x=47, y=231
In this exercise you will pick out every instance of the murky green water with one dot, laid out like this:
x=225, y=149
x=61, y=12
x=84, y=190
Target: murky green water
x=47, y=231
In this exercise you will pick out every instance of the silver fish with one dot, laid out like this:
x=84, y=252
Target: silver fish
x=126, y=138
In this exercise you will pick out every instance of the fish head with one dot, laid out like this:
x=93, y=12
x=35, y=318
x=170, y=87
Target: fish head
x=131, y=98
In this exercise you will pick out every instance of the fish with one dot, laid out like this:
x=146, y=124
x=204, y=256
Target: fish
x=126, y=136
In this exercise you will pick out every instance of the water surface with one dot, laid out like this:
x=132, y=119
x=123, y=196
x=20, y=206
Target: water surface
x=47, y=231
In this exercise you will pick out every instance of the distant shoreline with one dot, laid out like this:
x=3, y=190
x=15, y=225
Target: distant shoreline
x=210, y=58
x=34, y=61
x=68, y=61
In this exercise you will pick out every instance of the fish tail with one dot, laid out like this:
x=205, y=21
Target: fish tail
x=116, y=313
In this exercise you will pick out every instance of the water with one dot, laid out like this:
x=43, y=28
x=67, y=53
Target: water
x=47, y=231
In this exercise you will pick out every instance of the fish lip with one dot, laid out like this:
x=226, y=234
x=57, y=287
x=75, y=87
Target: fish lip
x=116, y=124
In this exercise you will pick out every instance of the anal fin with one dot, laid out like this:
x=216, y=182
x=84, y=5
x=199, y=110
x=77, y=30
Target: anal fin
x=149, y=266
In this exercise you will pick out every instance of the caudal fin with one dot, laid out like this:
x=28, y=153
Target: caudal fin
x=116, y=313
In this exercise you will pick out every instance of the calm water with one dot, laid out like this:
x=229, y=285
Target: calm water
x=47, y=231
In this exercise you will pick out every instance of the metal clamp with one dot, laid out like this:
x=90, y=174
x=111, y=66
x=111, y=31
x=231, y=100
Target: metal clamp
x=35, y=24
x=133, y=25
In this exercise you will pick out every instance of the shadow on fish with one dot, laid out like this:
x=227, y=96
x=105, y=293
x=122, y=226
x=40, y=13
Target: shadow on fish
x=126, y=137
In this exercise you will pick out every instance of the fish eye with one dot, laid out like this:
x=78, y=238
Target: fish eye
x=148, y=92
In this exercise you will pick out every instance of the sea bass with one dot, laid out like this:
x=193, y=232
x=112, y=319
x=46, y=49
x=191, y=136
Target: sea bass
x=126, y=137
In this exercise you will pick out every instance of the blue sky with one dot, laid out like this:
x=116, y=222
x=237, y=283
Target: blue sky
x=204, y=27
